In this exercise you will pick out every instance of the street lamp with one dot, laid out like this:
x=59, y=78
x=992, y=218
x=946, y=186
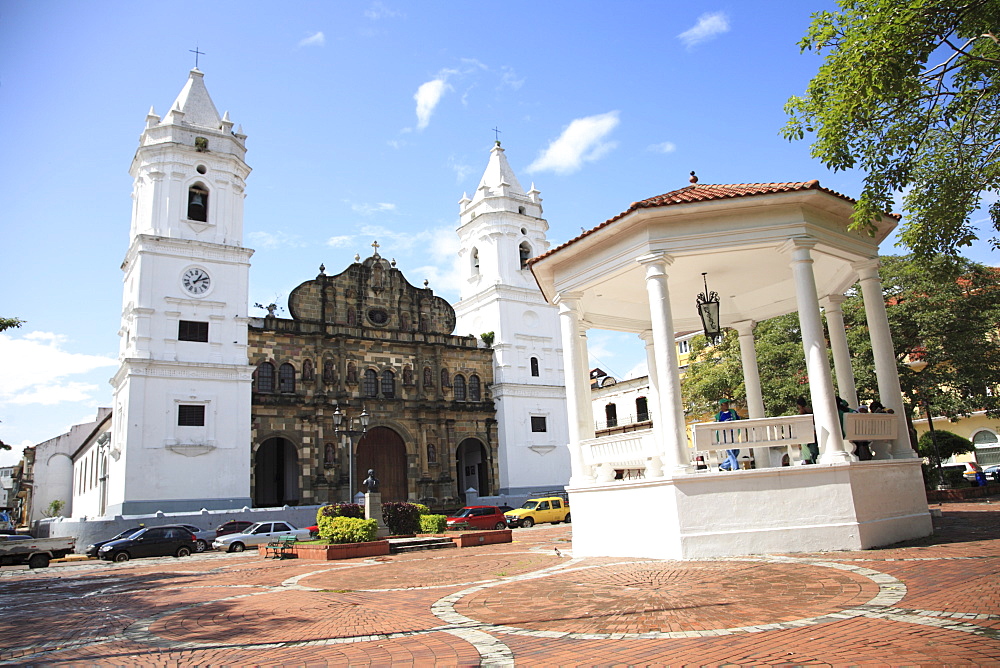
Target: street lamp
x=708, y=309
x=918, y=365
x=350, y=432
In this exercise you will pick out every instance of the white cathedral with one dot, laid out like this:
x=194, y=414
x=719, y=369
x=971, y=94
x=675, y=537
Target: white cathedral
x=179, y=436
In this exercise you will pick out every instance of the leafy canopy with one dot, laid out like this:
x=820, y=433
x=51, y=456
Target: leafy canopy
x=909, y=94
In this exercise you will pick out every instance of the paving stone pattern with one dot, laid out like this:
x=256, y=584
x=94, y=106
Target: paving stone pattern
x=929, y=602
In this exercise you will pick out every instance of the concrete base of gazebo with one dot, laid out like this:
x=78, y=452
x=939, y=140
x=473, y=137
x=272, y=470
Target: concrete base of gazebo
x=844, y=506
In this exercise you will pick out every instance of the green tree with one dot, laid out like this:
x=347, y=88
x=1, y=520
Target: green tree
x=8, y=323
x=909, y=93
x=949, y=323
x=713, y=372
x=948, y=445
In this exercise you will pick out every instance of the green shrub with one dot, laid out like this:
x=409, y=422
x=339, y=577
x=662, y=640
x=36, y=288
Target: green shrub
x=401, y=518
x=347, y=529
x=424, y=510
x=433, y=523
x=341, y=510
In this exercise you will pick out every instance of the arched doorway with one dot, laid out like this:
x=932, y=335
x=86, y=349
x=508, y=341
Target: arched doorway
x=382, y=449
x=472, y=468
x=276, y=474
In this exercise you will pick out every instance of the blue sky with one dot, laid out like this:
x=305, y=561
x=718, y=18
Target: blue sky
x=366, y=120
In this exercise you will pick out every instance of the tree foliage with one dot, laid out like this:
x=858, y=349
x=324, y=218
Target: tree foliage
x=909, y=94
x=948, y=445
x=9, y=323
x=949, y=322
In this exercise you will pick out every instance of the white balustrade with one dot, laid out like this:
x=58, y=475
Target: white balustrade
x=871, y=426
x=758, y=433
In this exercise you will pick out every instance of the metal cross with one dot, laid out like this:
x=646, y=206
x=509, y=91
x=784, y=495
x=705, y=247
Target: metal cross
x=196, y=53
x=496, y=132
x=375, y=246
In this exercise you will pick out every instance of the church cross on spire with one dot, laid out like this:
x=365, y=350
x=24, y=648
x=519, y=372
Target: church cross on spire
x=496, y=132
x=196, y=53
x=375, y=246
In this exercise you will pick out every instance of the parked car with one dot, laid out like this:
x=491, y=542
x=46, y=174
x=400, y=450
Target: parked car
x=92, y=549
x=992, y=472
x=478, y=517
x=535, y=511
x=232, y=526
x=258, y=534
x=968, y=469
x=203, y=538
x=164, y=541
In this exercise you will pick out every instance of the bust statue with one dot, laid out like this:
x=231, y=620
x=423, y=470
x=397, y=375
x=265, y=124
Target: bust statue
x=371, y=482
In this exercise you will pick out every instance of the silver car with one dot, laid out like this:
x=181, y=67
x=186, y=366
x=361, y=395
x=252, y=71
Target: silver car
x=203, y=538
x=260, y=533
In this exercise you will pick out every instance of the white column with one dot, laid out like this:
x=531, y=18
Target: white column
x=655, y=468
x=828, y=434
x=841, y=354
x=675, y=457
x=577, y=386
x=751, y=380
x=886, y=372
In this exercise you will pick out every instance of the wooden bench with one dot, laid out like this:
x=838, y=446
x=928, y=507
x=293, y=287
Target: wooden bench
x=280, y=547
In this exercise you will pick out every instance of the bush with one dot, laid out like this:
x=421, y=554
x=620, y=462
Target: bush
x=433, y=523
x=424, y=510
x=347, y=530
x=341, y=510
x=401, y=518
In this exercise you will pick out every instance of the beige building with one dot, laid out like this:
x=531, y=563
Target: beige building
x=367, y=340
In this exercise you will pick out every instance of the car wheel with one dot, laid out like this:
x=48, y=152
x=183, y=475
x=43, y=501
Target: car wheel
x=568, y=520
x=183, y=551
x=38, y=561
x=500, y=525
x=237, y=547
x=527, y=522
x=200, y=546
x=121, y=556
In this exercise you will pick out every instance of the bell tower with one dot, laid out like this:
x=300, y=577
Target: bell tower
x=181, y=425
x=501, y=228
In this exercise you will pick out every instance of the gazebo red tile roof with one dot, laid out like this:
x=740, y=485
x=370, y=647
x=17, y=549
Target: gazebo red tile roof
x=705, y=193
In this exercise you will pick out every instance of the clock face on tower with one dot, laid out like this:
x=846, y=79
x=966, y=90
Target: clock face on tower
x=196, y=281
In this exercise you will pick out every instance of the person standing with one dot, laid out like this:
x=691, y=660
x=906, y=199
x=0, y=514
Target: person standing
x=726, y=414
x=810, y=451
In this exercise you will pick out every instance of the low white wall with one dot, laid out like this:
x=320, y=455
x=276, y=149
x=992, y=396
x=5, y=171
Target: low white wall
x=847, y=506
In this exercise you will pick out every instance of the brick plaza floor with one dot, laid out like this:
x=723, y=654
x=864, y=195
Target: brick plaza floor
x=528, y=603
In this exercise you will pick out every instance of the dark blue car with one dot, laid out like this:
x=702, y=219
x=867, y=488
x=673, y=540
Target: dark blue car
x=165, y=541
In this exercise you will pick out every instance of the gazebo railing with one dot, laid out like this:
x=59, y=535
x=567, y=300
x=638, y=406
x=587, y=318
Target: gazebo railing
x=625, y=452
x=757, y=433
x=871, y=426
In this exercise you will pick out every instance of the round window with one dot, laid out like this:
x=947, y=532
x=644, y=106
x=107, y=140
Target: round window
x=378, y=316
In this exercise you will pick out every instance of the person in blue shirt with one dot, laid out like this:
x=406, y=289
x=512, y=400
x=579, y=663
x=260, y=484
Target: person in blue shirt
x=726, y=414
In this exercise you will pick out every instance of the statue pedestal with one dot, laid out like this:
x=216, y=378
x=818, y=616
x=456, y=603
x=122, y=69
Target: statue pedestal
x=373, y=511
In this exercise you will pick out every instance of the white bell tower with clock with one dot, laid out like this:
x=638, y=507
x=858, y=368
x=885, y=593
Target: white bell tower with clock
x=181, y=425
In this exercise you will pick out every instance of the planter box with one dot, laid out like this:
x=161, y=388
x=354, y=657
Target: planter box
x=473, y=538
x=962, y=493
x=375, y=548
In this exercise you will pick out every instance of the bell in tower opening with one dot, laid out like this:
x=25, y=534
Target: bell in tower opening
x=198, y=203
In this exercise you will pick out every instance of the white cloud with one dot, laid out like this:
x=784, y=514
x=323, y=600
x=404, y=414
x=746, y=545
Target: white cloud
x=369, y=209
x=341, y=241
x=377, y=11
x=708, y=26
x=427, y=97
x=461, y=170
x=582, y=141
x=37, y=369
x=662, y=147
x=316, y=39
x=396, y=143
x=262, y=239
x=509, y=79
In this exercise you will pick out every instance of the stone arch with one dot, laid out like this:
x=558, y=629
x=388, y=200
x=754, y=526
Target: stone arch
x=473, y=468
x=276, y=473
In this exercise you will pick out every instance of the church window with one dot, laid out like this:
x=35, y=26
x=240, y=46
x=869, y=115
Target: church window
x=459, y=382
x=475, y=261
x=378, y=316
x=520, y=210
x=190, y=330
x=198, y=203
x=534, y=366
x=201, y=144
x=388, y=384
x=369, y=385
x=611, y=415
x=475, y=392
x=265, y=377
x=538, y=423
x=428, y=377
x=524, y=251
x=444, y=379
x=307, y=370
x=191, y=415
x=641, y=409
x=201, y=169
x=286, y=378
x=352, y=373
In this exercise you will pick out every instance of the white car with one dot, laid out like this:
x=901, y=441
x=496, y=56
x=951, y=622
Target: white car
x=260, y=533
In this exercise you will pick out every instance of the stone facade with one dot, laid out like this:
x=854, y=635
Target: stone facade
x=367, y=340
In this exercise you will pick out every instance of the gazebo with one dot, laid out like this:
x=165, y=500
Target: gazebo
x=767, y=249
